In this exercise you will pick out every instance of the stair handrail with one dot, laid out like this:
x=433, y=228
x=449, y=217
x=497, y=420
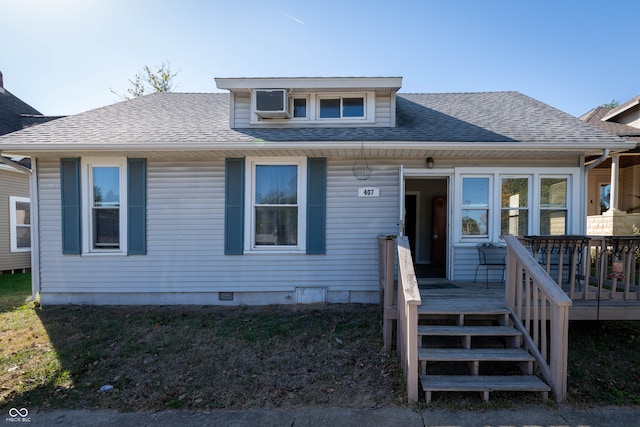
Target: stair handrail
x=532, y=296
x=408, y=302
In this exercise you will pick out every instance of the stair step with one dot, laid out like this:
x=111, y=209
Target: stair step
x=483, y=384
x=439, y=306
x=474, y=354
x=462, y=331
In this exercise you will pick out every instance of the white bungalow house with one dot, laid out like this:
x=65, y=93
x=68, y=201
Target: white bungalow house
x=259, y=196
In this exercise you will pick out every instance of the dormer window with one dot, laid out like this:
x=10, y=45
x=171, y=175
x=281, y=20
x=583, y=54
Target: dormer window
x=300, y=110
x=341, y=107
x=308, y=102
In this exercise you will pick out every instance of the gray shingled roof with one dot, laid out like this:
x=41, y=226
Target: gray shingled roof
x=594, y=117
x=173, y=118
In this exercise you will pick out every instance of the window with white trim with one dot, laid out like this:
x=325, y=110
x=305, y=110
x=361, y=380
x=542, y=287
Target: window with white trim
x=475, y=206
x=104, y=191
x=514, y=216
x=299, y=107
x=20, y=223
x=553, y=205
x=276, y=205
x=341, y=107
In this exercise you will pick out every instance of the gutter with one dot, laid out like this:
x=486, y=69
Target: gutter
x=598, y=161
x=14, y=165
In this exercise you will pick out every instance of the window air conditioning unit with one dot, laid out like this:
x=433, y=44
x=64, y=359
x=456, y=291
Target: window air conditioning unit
x=271, y=103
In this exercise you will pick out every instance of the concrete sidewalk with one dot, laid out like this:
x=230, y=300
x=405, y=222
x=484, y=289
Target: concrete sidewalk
x=562, y=416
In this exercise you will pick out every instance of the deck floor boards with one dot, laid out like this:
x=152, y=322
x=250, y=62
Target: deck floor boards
x=605, y=309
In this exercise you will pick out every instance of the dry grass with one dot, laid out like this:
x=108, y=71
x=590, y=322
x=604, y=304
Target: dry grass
x=249, y=357
x=195, y=357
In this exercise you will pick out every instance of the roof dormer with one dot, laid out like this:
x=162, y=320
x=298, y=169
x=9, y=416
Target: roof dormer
x=312, y=102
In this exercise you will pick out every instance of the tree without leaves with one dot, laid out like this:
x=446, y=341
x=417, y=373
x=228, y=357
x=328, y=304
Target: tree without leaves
x=149, y=81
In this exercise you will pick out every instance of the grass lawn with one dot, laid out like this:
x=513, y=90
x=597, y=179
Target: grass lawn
x=206, y=357
x=194, y=357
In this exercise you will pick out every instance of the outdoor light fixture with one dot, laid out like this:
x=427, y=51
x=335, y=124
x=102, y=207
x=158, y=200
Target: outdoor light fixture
x=430, y=162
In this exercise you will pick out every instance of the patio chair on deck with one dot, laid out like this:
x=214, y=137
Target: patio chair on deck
x=491, y=257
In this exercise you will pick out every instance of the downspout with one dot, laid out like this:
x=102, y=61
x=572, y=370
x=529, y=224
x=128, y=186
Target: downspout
x=35, y=235
x=598, y=161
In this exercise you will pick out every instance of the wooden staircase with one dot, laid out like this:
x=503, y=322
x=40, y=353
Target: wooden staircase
x=468, y=345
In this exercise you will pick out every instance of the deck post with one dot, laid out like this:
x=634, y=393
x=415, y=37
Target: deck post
x=386, y=259
x=559, y=351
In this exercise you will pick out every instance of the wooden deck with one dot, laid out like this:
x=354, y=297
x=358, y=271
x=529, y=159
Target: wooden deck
x=592, y=309
x=531, y=302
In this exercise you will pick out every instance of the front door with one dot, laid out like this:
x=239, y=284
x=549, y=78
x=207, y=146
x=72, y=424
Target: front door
x=425, y=223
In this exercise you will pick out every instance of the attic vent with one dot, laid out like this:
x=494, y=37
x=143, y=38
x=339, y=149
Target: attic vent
x=271, y=103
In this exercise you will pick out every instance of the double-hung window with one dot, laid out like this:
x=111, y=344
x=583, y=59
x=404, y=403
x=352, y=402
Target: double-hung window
x=514, y=215
x=277, y=205
x=20, y=223
x=475, y=206
x=105, y=193
x=104, y=204
x=553, y=205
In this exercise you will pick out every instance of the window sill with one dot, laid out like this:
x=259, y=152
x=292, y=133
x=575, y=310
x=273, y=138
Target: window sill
x=312, y=123
x=275, y=251
x=99, y=254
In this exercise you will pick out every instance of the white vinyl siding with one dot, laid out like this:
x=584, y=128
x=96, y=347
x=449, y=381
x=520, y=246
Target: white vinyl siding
x=385, y=110
x=185, y=229
x=241, y=111
x=185, y=247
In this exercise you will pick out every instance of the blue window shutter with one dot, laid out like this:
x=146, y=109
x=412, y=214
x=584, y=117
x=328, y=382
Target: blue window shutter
x=234, y=207
x=137, y=206
x=316, y=205
x=71, y=209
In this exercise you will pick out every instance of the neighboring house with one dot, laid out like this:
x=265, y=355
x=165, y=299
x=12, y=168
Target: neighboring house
x=614, y=185
x=15, y=226
x=259, y=196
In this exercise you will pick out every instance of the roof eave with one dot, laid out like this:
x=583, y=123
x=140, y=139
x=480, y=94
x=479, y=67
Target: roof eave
x=575, y=147
x=621, y=109
x=393, y=83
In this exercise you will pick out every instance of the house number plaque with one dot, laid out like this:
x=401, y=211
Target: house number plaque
x=368, y=192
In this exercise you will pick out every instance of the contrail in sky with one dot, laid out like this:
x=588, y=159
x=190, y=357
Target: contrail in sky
x=293, y=18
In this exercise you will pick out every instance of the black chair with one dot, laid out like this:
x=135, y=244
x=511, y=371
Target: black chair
x=491, y=257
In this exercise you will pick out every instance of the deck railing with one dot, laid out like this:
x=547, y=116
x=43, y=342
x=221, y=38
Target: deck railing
x=541, y=313
x=613, y=271
x=590, y=267
x=406, y=309
x=408, y=302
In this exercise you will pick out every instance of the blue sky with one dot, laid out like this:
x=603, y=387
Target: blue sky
x=65, y=56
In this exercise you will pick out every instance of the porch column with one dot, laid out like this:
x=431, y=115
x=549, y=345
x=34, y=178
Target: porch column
x=615, y=177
